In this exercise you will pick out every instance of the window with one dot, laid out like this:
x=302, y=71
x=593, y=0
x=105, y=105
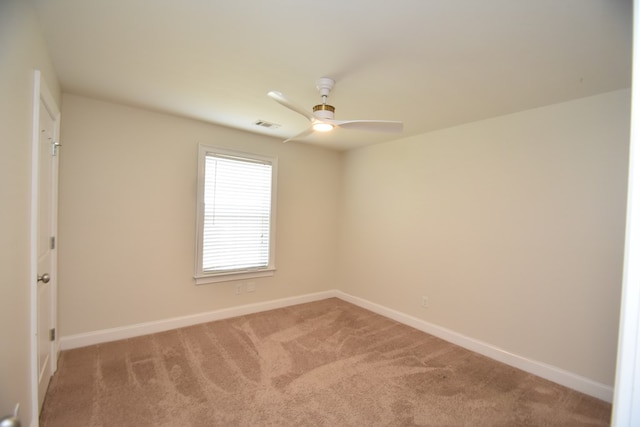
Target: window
x=235, y=215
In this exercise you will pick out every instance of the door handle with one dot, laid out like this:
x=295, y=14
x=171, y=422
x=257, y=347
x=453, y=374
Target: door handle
x=9, y=421
x=44, y=278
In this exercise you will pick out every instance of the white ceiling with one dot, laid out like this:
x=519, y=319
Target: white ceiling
x=429, y=63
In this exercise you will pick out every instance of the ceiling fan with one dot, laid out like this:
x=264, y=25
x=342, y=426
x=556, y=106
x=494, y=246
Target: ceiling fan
x=321, y=117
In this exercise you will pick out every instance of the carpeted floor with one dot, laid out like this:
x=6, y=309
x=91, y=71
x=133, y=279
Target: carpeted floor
x=326, y=363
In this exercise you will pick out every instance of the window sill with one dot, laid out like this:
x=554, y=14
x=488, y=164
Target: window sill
x=236, y=275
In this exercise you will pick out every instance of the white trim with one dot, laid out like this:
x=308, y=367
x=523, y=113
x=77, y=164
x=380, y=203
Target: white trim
x=543, y=370
x=549, y=372
x=33, y=244
x=227, y=277
x=626, y=405
x=113, y=334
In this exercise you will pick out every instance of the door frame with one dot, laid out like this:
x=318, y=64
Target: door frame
x=41, y=93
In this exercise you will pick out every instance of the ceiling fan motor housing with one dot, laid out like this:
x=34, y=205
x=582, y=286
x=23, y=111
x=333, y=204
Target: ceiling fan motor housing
x=324, y=111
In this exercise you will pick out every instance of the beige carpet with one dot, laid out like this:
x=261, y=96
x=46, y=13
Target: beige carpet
x=327, y=363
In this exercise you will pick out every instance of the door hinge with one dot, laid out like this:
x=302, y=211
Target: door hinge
x=53, y=242
x=52, y=334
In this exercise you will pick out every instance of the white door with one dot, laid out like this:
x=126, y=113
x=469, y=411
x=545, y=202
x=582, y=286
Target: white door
x=44, y=219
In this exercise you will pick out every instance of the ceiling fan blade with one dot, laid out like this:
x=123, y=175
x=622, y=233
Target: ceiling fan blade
x=281, y=99
x=370, y=125
x=301, y=135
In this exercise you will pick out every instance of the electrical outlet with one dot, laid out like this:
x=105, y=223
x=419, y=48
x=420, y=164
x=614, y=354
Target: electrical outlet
x=239, y=288
x=251, y=286
x=424, y=302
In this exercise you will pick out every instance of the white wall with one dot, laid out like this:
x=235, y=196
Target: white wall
x=127, y=217
x=513, y=227
x=21, y=51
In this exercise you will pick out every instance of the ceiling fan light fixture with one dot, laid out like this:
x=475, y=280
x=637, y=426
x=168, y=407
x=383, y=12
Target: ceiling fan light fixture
x=322, y=127
x=322, y=116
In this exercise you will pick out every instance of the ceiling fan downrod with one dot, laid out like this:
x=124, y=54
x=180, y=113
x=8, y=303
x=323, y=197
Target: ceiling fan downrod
x=324, y=111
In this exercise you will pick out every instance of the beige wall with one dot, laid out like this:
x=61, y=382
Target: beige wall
x=512, y=227
x=127, y=217
x=21, y=51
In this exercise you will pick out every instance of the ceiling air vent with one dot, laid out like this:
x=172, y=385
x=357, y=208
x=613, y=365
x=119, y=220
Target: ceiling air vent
x=265, y=124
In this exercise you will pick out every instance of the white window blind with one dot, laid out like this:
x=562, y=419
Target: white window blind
x=235, y=228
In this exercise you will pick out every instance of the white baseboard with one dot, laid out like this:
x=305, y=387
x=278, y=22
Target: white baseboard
x=549, y=372
x=543, y=370
x=114, y=334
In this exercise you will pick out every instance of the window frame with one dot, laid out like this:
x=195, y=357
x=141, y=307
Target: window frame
x=202, y=277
